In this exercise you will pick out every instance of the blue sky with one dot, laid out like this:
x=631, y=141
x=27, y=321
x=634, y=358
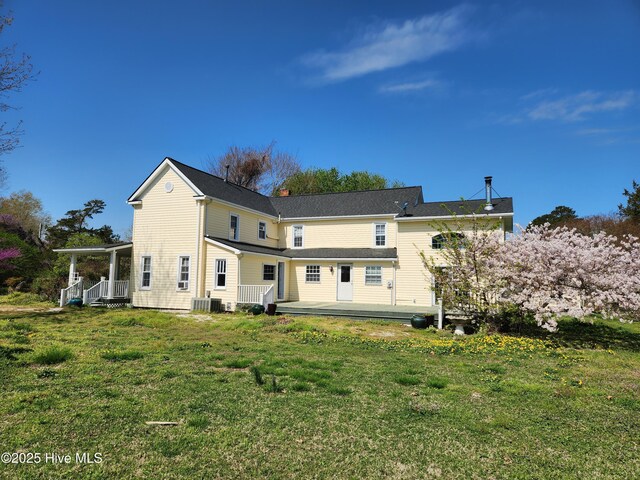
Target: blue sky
x=544, y=96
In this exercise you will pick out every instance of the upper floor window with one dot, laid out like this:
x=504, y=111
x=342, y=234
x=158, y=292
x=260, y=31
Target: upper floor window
x=449, y=239
x=145, y=282
x=297, y=236
x=262, y=230
x=380, y=234
x=183, y=272
x=268, y=272
x=234, y=227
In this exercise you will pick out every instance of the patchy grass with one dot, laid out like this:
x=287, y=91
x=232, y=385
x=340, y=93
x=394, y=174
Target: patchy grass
x=268, y=397
x=53, y=355
x=24, y=299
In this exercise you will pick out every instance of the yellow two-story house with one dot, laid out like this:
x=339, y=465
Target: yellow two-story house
x=195, y=235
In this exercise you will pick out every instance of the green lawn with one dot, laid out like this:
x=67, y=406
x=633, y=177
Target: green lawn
x=262, y=397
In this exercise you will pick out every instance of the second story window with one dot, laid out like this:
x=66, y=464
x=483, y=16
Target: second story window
x=262, y=230
x=297, y=236
x=234, y=227
x=380, y=234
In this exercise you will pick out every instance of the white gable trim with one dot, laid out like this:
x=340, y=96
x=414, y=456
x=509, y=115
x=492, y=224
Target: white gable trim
x=133, y=199
x=223, y=246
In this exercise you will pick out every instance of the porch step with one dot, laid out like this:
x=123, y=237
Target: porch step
x=357, y=314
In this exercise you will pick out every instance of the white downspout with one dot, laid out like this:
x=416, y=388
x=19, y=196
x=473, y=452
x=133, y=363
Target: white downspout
x=198, y=241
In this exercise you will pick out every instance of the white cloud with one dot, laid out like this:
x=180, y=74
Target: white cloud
x=393, y=45
x=578, y=107
x=409, y=86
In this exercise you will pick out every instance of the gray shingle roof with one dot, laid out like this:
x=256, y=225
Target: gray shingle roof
x=216, y=187
x=366, y=202
x=365, y=253
x=466, y=207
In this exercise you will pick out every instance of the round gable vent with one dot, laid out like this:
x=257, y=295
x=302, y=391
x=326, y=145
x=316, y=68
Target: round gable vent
x=168, y=187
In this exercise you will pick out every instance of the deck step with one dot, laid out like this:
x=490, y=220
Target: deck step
x=360, y=314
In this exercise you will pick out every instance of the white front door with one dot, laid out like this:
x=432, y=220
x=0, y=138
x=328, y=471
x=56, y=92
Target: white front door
x=345, y=281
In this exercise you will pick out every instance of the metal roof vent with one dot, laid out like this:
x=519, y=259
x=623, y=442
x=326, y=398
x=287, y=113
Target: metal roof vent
x=487, y=187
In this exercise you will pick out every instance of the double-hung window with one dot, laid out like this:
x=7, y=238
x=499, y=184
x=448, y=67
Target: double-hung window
x=221, y=274
x=268, y=272
x=373, y=275
x=297, y=236
x=262, y=230
x=380, y=234
x=312, y=274
x=183, y=272
x=234, y=227
x=145, y=281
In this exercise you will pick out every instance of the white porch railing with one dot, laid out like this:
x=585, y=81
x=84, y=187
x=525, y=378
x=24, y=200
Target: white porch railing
x=72, y=291
x=121, y=289
x=262, y=294
x=99, y=290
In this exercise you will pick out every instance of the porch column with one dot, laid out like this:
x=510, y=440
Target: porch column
x=72, y=269
x=112, y=274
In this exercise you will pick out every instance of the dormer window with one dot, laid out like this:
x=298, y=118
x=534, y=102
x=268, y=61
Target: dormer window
x=234, y=227
x=297, y=236
x=380, y=234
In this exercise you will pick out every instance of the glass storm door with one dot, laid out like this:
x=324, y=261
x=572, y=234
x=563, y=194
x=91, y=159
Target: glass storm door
x=345, y=282
x=280, y=280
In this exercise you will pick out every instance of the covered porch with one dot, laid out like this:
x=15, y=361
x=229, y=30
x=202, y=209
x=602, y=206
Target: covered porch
x=109, y=291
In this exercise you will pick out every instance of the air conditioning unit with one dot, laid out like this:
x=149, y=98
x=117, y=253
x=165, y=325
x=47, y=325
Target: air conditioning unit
x=183, y=285
x=206, y=304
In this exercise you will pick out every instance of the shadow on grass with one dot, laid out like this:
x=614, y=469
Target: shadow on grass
x=574, y=333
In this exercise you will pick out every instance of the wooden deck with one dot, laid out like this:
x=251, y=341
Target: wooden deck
x=361, y=311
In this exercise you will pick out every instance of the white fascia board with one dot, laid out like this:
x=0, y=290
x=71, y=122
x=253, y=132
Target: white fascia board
x=223, y=246
x=453, y=217
x=337, y=217
x=315, y=259
x=165, y=163
x=93, y=249
x=236, y=206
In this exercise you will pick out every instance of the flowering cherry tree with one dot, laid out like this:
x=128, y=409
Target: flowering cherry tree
x=542, y=271
x=551, y=272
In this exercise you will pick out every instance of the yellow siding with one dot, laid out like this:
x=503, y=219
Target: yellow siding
x=164, y=227
x=229, y=293
x=251, y=267
x=326, y=290
x=344, y=233
x=218, y=217
x=413, y=281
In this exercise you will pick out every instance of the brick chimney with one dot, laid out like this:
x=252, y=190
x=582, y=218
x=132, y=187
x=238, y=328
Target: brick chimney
x=284, y=192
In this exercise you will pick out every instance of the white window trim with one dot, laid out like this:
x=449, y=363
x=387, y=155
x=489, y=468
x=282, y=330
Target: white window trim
x=293, y=236
x=142, y=257
x=215, y=273
x=265, y=230
x=178, y=289
x=275, y=274
x=237, y=236
x=365, y=276
x=319, y=273
x=386, y=234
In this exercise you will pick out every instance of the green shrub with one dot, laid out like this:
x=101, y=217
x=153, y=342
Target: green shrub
x=53, y=355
